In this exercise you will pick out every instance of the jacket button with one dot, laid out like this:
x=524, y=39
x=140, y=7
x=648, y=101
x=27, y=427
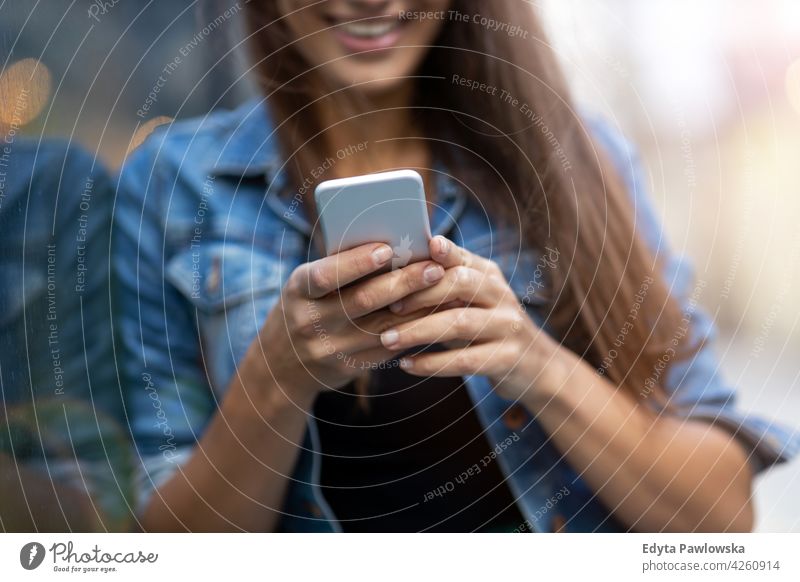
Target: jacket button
x=514, y=417
x=558, y=523
x=314, y=509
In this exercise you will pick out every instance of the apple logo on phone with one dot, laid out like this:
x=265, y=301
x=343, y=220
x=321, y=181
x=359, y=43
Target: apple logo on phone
x=402, y=253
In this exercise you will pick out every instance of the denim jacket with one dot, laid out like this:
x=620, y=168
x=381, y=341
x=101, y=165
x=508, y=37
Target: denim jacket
x=61, y=412
x=207, y=232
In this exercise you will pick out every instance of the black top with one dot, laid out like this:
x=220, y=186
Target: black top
x=411, y=456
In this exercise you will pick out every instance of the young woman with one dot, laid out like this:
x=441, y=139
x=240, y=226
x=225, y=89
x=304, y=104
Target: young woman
x=547, y=369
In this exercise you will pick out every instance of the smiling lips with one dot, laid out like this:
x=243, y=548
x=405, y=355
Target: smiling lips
x=368, y=33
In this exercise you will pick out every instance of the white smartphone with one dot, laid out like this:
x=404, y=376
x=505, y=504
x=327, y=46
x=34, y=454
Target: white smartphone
x=388, y=207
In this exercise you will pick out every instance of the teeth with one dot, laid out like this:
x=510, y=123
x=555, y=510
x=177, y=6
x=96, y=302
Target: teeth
x=369, y=29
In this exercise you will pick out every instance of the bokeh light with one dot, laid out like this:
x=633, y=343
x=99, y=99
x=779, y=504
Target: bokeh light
x=144, y=130
x=25, y=88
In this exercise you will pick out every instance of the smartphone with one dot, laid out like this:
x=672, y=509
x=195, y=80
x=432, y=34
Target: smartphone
x=388, y=207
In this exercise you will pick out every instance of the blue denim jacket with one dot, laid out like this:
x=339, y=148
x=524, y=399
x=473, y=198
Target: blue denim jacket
x=61, y=410
x=206, y=234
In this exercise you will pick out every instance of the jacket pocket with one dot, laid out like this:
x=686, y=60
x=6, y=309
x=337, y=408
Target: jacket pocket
x=529, y=274
x=232, y=286
x=218, y=275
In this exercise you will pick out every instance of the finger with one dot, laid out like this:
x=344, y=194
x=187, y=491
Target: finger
x=460, y=283
x=489, y=359
x=365, y=333
x=318, y=278
x=382, y=290
x=451, y=304
x=374, y=359
x=448, y=254
x=468, y=323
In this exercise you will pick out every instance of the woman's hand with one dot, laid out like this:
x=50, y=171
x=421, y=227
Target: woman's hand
x=323, y=334
x=484, y=324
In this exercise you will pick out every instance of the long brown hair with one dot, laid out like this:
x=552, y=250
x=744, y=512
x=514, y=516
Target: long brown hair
x=608, y=301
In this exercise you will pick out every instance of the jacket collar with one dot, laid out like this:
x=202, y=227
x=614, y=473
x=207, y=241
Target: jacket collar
x=248, y=142
x=248, y=148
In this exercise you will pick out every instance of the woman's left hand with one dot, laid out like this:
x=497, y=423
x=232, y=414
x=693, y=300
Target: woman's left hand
x=478, y=317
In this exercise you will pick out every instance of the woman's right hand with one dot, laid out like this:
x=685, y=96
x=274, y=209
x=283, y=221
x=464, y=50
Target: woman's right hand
x=320, y=335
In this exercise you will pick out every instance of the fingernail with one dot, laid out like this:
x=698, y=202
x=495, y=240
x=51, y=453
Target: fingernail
x=444, y=245
x=396, y=307
x=381, y=255
x=389, y=338
x=432, y=273
x=405, y=363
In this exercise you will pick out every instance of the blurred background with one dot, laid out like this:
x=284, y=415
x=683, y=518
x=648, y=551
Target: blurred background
x=708, y=90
